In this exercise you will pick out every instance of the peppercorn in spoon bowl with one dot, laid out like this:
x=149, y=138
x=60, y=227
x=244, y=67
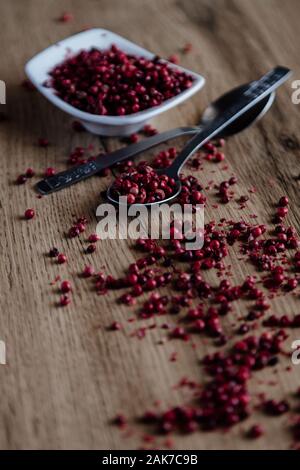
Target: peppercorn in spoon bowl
x=46, y=68
x=139, y=181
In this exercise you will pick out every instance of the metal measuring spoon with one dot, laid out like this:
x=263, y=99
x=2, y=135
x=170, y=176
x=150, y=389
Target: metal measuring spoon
x=233, y=111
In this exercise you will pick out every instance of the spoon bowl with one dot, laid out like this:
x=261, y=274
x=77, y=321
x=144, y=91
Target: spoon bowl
x=164, y=171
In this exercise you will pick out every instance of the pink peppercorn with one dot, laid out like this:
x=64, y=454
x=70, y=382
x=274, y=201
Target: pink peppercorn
x=127, y=299
x=29, y=173
x=276, y=408
x=49, y=172
x=91, y=248
x=42, y=142
x=283, y=201
x=28, y=85
x=53, y=253
x=132, y=279
x=282, y=211
x=148, y=130
x=29, y=214
x=255, y=431
x=115, y=326
x=66, y=17
x=66, y=286
x=256, y=232
x=233, y=180
x=64, y=300
x=174, y=59
x=88, y=271
x=291, y=284
x=131, y=199
x=187, y=48
x=219, y=156
x=21, y=179
x=74, y=231
x=120, y=420
x=137, y=290
x=133, y=138
x=61, y=259
x=81, y=226
x=150, y=284
x=93, y=238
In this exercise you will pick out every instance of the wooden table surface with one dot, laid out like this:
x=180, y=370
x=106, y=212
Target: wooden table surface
x=66, y=376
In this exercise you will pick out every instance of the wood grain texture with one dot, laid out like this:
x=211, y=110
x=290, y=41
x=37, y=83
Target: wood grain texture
x=66, y=376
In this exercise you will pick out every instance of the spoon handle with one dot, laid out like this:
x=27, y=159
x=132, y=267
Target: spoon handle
x=256, y=92
x=80, y=172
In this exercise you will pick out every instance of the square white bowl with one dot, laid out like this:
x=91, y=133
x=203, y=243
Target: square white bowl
x=38, y=68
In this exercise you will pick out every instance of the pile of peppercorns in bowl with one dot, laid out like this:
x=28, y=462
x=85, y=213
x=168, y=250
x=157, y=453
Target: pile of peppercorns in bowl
x=111, y=85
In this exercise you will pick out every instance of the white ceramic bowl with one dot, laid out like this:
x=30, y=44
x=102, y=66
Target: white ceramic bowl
x=38, y=67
